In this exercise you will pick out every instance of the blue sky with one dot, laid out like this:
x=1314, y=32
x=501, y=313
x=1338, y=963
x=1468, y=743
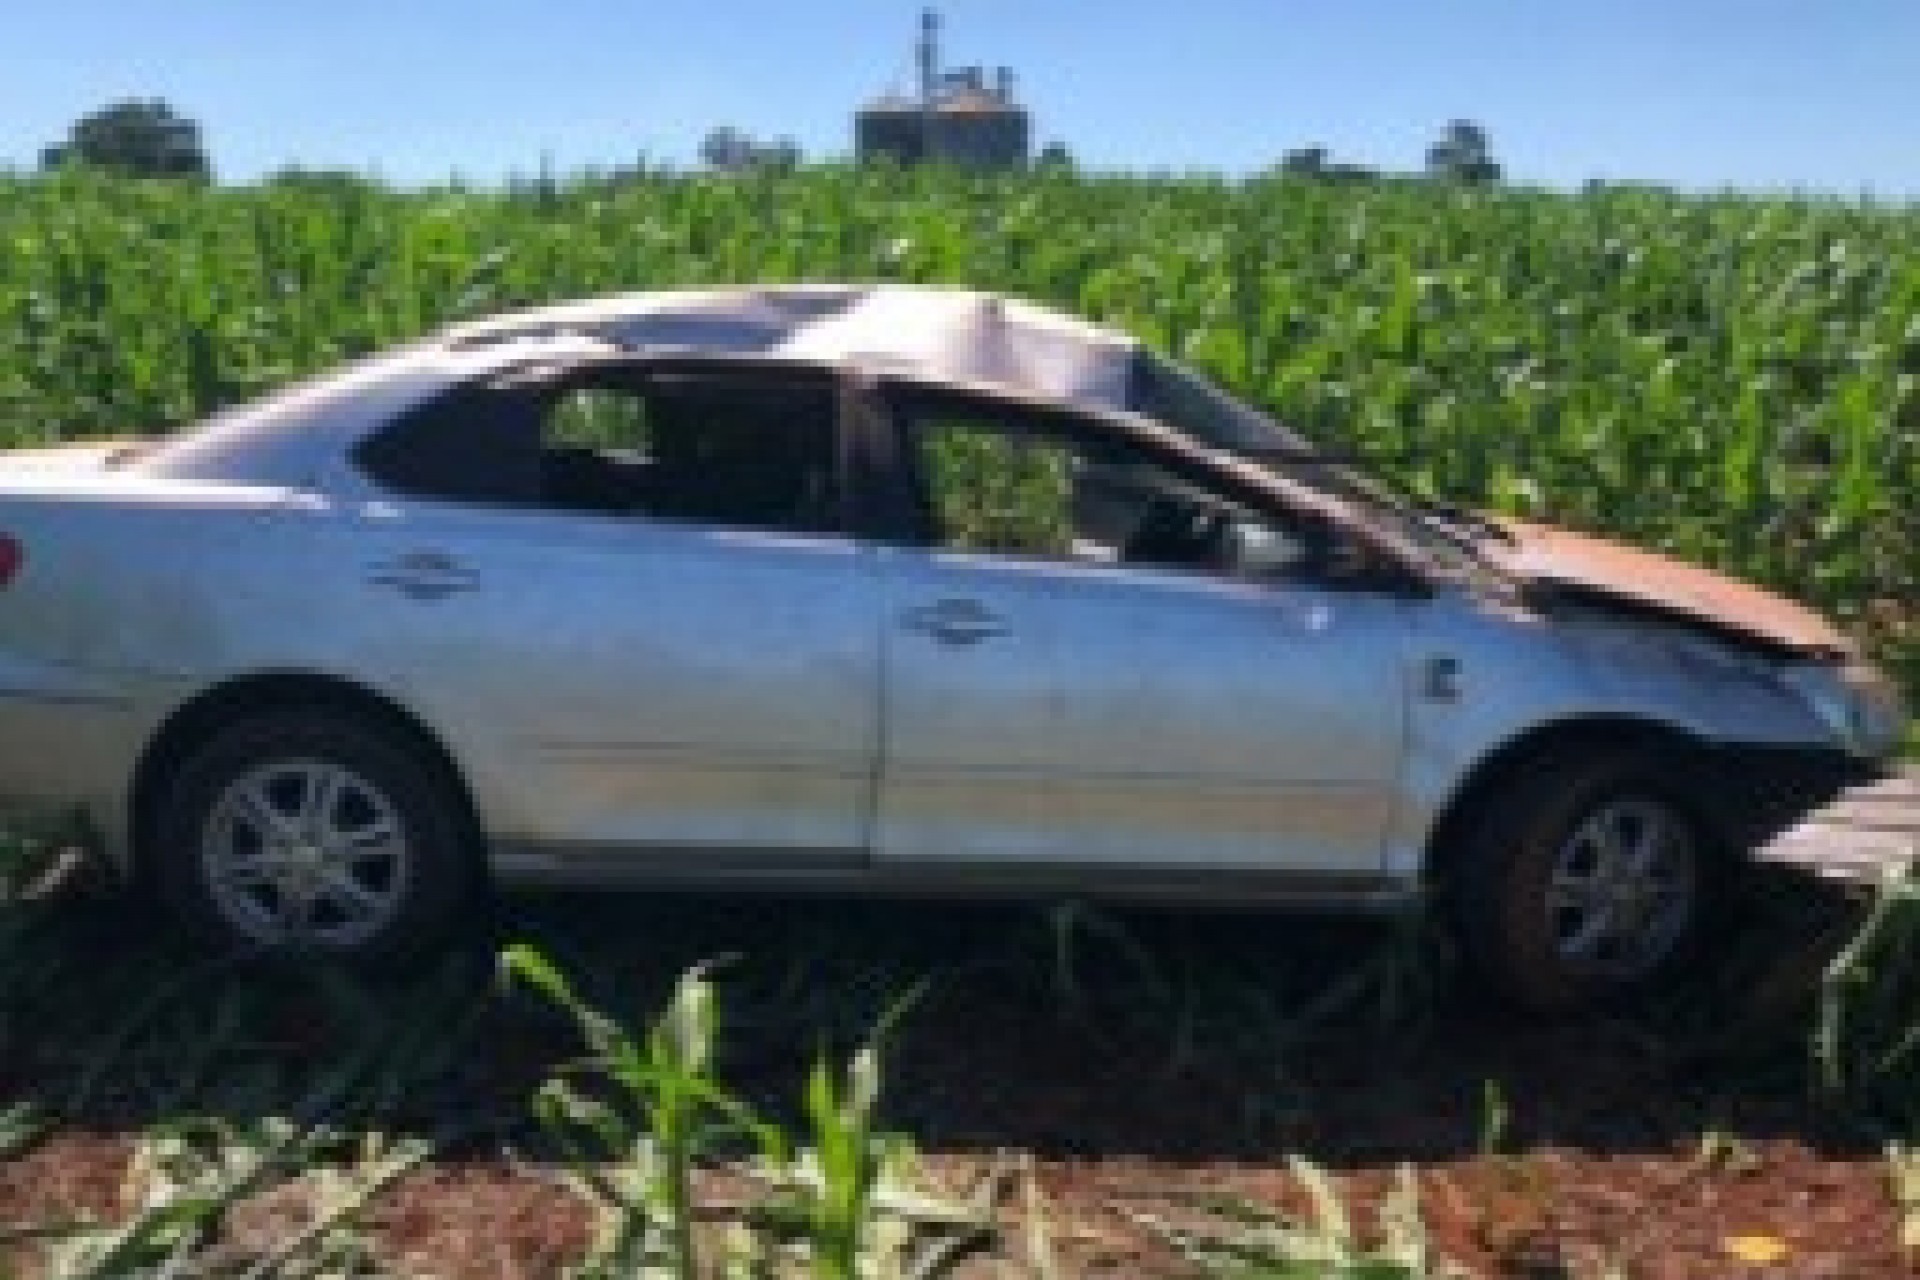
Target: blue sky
x=1815, y=94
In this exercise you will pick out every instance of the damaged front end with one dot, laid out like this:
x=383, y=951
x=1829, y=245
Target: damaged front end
x=1766, y=635
x=1722, y=648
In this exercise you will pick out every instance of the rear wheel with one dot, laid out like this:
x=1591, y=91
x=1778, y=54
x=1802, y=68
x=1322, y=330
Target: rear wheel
x=309, y=833
x=1585, y=881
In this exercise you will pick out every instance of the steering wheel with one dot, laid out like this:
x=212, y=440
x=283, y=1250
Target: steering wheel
x=1177, y=532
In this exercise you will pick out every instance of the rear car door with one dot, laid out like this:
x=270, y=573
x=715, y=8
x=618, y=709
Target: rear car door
x=1073, y=682
x=626, y=592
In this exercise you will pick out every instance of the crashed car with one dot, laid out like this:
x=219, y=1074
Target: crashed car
x=875, y=589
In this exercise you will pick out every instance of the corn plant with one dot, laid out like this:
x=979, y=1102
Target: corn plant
x=668, y=1113
x=1242, y=1240
x=852, y=1192
x=188, y=1176
x=34, y=859
x=32, y=868
x=1866, y=1035
x=17, y=857
x=1903, y=1178
x=845, y=1203
x=329, y=1243
x=21, y=1125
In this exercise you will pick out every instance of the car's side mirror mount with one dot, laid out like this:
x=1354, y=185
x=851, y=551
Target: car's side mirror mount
x=1331, y=557
x=1254, y=549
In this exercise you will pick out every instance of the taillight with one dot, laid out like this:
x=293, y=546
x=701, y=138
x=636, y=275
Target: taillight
x=12, y=557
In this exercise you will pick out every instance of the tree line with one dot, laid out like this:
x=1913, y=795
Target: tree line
x=146, y=137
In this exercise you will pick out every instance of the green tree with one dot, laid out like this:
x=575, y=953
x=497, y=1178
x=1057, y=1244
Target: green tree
x=1464, y=153
x=335, y=182
x=145, y=138
x=1318, y=164
x=782, y=155
x=727, y=148
x=1056, y=157
x=730, y=150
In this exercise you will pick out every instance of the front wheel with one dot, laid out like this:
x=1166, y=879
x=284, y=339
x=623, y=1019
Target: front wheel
x=314, y=834
x=1586, y=880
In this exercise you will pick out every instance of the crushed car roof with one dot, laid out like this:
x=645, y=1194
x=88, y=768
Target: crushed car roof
x=936, y=334
x=963, y=337
x=957, y=337
x=926, y=332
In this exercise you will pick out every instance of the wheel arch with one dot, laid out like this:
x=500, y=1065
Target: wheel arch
x=195, y=721
x=1506, y=763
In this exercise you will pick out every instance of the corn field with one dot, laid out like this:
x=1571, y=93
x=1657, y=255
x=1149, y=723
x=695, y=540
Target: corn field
x=1733, y=379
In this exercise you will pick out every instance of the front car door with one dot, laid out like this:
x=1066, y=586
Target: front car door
x=626, y=593
x=1097, y=662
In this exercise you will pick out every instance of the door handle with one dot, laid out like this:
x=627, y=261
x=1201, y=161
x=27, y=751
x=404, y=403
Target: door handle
x=423, y=575
x=959, y=622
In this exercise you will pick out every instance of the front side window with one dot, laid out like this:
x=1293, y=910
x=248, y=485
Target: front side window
x=993, y=482
x=996, y=491
x=739, y=451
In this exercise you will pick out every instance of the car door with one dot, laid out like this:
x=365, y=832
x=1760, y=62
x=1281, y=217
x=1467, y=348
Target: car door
x=1055, y=700
x=663, y=648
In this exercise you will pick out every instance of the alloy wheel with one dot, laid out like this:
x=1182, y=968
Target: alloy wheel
x=306, y=852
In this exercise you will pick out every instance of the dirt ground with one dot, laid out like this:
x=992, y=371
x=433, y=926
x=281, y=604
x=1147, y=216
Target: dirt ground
x=1127, y=1063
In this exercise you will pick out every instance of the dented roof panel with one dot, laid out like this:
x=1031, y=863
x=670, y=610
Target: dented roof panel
x=938, y=334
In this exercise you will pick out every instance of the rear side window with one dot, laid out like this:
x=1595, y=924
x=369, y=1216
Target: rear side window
x=748, y=452
x=993, y=491
x=474, y=444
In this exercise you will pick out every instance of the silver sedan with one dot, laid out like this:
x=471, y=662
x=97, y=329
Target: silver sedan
x=875, y=589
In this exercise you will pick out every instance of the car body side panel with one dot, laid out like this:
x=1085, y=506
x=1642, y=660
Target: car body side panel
x=614, y=684
x=114, y=620
x=629, y=683
x=68, y=736
x=1127, y=719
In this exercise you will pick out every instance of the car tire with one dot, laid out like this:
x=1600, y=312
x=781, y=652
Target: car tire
x=1585, y=881
x=314, y=835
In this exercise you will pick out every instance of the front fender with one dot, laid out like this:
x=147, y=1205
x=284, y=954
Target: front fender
x=1514, y=676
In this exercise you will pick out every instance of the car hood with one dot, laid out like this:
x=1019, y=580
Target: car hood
x=1598, y=571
